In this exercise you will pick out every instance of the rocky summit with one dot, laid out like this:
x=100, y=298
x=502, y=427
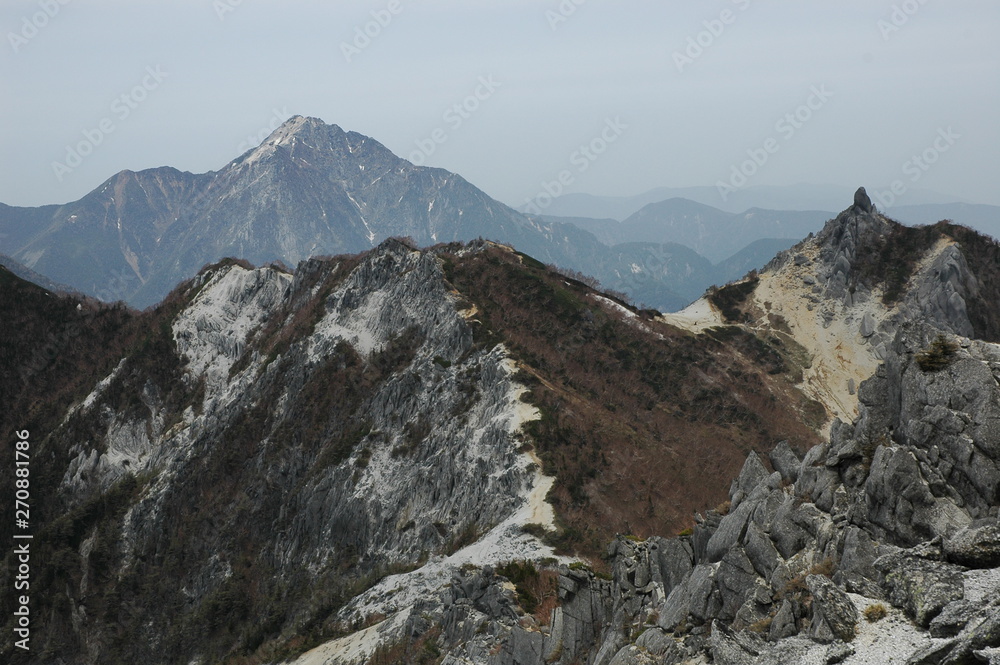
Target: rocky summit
x=460, y=455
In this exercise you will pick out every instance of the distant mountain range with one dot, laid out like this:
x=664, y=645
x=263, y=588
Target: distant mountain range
x=312, y=189
x=711, y=232
x=791, y=197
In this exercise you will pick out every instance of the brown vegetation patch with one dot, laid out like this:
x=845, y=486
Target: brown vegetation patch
x=641, y=424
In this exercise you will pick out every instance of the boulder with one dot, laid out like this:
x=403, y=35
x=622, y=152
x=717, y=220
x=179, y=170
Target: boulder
x=931, y=655
x=834, y=615
x=696, y=597
x=760, y=551
x=984, y=636
x=975, y=546
x=785, y=461
x=783, y=624
x=729, y=648
x=953, y=618
x=730, y=531
x=753, y=474
x=675, y=557
x=659, y=643
x=838, y=653
x=735, y=578
x=868, y=324
x=789, y=538
x=920, y=586
x=855, y=571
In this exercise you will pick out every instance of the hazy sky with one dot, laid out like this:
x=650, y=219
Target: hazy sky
x=683, y=92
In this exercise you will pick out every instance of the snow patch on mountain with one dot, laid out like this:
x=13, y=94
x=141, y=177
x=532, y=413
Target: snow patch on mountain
x=696, y=317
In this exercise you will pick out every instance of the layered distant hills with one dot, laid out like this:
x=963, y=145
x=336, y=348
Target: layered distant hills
x=312, y=189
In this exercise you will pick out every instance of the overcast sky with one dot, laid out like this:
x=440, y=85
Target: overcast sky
x=691, y=90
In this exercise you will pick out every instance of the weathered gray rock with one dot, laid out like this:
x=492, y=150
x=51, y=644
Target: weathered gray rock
x=838, y=653
x=753, y=474
x=953, y=618
x=900, y=500
x=760, y=551
x=862, y=201
x=868, y=324
x=783, y=625
x=856, y=571
x=989, y=655
x=817, y=481
x=731, y=530
x=630, y=655
x=785, y=461
x=975, y=546
x=931, y=655
x=729, y=648
x=676, y=560
x=786, y=533
x=705, y=527
x=984, y=635
x=921, y=587
x=834, y=615
x=525, y=646
x=696, y=597
x=659, y=643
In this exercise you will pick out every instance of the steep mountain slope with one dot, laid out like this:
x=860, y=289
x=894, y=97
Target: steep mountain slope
x=225, y=472
x=310, y=189
x=841, y=295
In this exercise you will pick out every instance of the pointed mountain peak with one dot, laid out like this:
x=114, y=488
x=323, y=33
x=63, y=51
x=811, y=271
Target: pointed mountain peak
x=859, y=222
x=299, y=125
x=300, y=135
x=302, y=128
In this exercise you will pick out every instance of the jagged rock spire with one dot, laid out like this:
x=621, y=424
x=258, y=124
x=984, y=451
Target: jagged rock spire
x=862, y=201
